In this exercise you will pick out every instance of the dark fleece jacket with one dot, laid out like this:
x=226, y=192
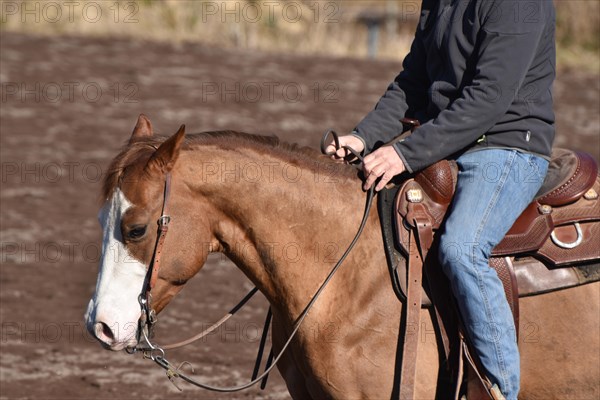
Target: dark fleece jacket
x=479, y=74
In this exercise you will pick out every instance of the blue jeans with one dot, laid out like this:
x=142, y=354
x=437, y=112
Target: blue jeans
x=494, y=186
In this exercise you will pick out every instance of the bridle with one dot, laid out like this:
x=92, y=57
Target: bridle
x=148, y=318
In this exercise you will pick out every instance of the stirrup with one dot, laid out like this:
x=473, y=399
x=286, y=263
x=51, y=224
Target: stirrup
x=494, y=391
x=496, y=394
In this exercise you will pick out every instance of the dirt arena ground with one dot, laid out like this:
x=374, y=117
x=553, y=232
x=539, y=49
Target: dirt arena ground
x=68, y=104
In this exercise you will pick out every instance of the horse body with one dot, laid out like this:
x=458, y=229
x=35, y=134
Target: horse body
x=350, y=335
x=284, y=218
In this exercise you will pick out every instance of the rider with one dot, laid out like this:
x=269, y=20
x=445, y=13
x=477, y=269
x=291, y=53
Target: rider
x=478, y=77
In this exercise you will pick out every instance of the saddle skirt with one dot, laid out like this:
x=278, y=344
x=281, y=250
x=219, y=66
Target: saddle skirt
x=552, y=245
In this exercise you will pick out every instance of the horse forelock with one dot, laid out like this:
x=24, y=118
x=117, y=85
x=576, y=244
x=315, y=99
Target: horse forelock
x=131, y=154
x=140, y=150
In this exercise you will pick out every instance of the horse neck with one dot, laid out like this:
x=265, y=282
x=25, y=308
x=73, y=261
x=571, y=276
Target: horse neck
x=281, y=222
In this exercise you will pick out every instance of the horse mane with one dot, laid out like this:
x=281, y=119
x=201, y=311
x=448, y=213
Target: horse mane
x=141, y=148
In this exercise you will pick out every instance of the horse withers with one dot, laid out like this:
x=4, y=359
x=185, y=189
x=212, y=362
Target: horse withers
x=312, y=201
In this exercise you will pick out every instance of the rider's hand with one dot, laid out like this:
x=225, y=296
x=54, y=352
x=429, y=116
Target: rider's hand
x=384, y=162
x=346, y=140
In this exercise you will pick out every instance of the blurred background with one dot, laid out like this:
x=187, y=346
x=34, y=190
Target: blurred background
x=74, y=76
x=324, y=27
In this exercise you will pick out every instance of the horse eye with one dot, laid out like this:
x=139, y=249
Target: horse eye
x=137, y=232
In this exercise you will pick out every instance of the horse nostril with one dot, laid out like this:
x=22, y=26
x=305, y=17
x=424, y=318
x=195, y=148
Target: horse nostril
x=104, y=333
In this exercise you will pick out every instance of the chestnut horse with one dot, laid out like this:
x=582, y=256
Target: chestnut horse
x=284, y=215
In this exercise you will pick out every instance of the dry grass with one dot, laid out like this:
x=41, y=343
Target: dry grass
x=578, y=33
x=325, y=27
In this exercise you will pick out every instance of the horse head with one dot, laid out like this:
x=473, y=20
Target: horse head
x=133, y=190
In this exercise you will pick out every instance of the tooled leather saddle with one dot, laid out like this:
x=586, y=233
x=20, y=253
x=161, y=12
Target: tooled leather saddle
x=553, y=245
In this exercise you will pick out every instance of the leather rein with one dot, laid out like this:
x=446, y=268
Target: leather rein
x=156, y=353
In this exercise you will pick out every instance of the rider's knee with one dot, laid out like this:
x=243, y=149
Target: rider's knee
x=450, y=248
x=457, y=250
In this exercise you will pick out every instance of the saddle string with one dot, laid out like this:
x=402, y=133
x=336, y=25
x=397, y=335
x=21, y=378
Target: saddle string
x=156, y=353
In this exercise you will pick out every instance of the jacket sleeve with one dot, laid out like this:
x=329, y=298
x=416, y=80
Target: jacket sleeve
x=507, y=46
x=407, y=93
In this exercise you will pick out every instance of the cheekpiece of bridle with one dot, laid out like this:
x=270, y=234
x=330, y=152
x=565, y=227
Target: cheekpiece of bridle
x=148, y=316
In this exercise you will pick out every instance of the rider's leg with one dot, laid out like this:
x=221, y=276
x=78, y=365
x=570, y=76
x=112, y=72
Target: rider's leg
x=494, y=186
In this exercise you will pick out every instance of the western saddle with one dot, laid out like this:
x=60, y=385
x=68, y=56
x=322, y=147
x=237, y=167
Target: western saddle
x=553, y=245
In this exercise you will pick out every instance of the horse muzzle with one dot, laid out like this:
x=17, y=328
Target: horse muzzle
x=112, y=334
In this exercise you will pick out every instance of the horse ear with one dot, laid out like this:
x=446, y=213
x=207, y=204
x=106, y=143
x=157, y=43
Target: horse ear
x=163, y=159
x=143, y=128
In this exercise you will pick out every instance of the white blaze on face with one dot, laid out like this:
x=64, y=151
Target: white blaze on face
x=113, y=313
